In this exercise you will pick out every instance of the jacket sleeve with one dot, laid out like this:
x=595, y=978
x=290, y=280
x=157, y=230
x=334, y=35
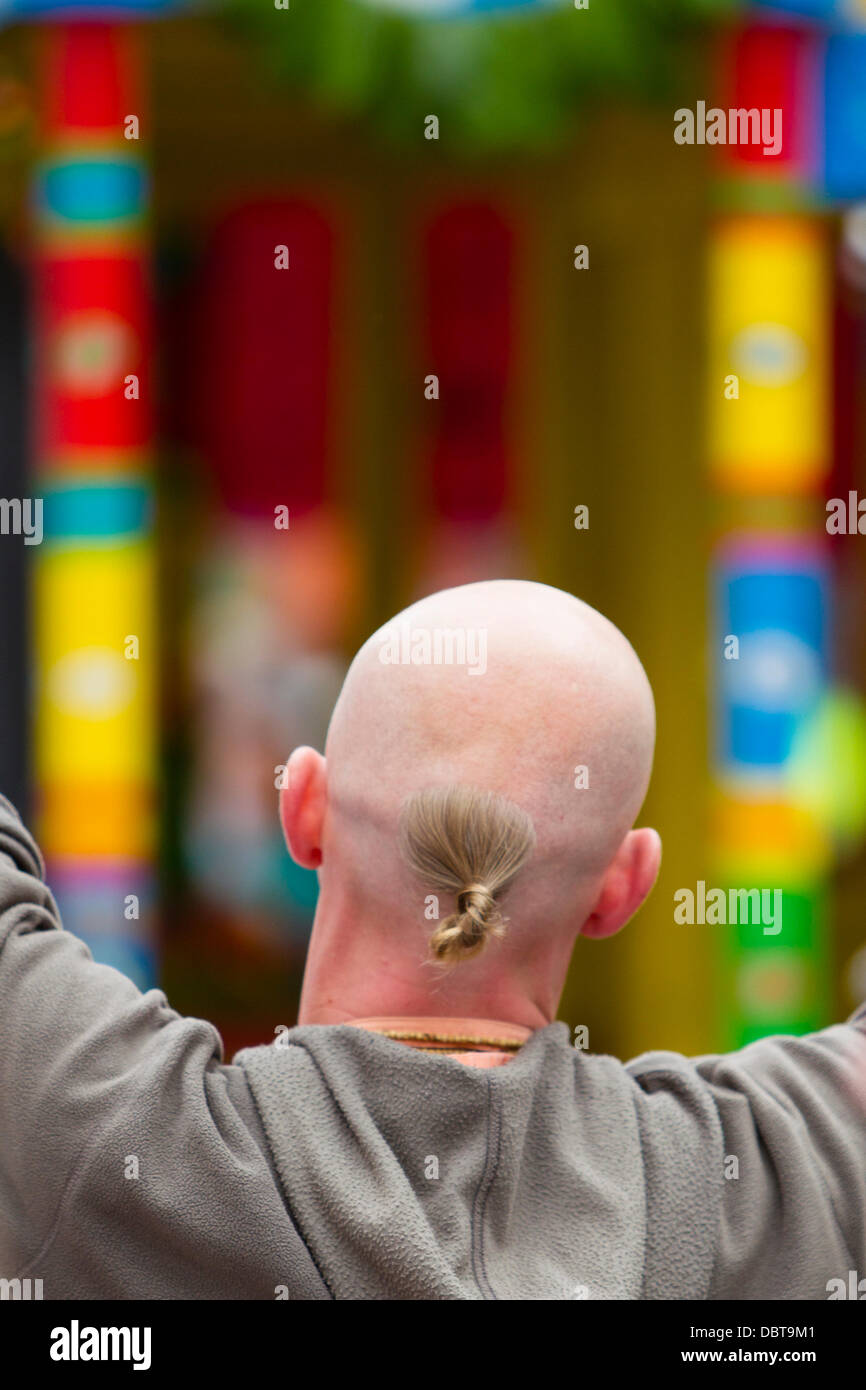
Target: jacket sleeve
x=77, y=1041
x=793, y=1211
x=132, y=1163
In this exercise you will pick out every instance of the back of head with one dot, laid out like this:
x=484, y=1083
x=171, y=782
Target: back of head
x=493, y=741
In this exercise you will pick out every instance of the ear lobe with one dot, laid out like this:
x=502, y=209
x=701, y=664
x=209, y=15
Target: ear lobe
x=302, y=806
x=627, y=883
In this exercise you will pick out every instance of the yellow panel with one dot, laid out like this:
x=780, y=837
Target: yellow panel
x=769, y=328
x=94, y=701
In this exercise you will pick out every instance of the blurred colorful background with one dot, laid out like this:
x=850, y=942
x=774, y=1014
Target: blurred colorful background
x=309, y=308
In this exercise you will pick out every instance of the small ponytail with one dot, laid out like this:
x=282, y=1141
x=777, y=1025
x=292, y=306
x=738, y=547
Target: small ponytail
x=472, y=844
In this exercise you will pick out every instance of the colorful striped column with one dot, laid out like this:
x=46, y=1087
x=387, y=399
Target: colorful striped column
x=95, y=635
x=772, y=593
x=770, y=447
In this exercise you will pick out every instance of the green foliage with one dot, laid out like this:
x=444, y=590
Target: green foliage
x=501, y=83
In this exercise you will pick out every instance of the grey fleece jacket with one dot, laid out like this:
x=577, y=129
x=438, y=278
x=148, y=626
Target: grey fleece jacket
x=135, y=1163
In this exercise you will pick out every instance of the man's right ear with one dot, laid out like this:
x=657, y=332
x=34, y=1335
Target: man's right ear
x=302, y=806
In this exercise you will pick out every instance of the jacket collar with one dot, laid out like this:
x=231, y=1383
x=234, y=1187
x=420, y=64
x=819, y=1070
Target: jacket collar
x=478, y=1042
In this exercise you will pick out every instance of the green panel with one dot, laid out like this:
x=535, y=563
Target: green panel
x=773, y=981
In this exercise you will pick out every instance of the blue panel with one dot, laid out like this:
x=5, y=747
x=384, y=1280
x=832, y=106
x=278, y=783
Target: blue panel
x=100, y=9
x=93, y=904
x=93, y=190
x=801, y=9
x=778, y=611
x=845, y=117
x=96, y=511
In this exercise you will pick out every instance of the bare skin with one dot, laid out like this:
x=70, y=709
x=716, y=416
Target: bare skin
x=562, y=689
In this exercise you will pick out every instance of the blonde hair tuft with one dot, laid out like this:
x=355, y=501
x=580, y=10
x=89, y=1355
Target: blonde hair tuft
x=471, y=844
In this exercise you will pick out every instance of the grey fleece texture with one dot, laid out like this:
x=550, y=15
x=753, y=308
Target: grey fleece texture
x=345, y=1165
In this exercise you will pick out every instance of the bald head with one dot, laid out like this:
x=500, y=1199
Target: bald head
x=508, y=687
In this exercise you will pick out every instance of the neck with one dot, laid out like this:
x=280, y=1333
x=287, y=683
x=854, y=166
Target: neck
x=352, y=974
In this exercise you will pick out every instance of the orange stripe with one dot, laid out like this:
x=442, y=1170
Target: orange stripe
x=84, y=819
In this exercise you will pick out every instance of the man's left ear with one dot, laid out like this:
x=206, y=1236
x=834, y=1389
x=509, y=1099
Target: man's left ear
x=302, y=806
x=627, y=883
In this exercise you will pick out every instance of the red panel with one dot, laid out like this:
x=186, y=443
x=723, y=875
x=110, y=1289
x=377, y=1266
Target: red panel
x=261, y=358
x=90, y=79
x=92, y=317
x=774, y=67
x=467, y=299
